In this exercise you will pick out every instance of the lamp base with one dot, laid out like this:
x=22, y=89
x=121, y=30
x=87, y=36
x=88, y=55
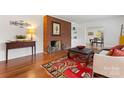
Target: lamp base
x=31, y=37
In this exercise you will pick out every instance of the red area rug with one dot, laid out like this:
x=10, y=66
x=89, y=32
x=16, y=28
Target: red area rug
x=73, y=67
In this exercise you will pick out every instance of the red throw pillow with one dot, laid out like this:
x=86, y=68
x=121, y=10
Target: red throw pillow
x=119, y=47
x=118, y=52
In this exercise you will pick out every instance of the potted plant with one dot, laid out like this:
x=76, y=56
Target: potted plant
x=20, y=37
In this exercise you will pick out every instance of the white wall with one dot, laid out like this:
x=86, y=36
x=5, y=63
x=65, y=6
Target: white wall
x=112, y=28
x=79, y=34
x=8, y=32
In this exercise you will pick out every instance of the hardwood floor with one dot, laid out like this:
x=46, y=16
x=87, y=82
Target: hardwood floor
x=26, y=67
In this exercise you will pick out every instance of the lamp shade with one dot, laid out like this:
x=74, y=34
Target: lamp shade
x=31, y=32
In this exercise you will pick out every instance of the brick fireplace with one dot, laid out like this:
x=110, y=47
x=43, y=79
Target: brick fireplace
x=54, y=43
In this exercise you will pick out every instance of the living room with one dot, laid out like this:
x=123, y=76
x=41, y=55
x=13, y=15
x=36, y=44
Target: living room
x=61, y=46
x=70, y=31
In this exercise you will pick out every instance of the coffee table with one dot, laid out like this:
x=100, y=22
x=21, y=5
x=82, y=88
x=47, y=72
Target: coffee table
x=85, y=51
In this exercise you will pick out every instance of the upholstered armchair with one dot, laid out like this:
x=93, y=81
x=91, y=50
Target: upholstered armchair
x=108, y=66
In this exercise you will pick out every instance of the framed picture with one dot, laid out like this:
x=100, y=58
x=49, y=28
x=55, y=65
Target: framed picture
x=56, y=27
x=74, y=28
x=90, y=33
x=75, y=37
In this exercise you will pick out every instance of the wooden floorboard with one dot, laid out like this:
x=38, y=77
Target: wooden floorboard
x=26, y=67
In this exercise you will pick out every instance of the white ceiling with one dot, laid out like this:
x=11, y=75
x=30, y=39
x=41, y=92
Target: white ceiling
x=85, y=18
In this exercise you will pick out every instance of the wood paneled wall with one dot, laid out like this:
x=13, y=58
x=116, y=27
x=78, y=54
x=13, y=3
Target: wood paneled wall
x=65, y=36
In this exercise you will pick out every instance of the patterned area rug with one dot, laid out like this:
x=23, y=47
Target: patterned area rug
x=73, y=67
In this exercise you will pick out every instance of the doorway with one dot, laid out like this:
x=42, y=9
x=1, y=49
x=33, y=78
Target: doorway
x=94, y=33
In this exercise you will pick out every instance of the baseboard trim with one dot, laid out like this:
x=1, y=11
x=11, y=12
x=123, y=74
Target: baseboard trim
x=20, y=56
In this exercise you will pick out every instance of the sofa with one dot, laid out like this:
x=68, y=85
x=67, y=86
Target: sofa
x=110, y=63
x=108, y=66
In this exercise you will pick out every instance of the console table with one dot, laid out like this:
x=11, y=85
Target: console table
x=20, y=44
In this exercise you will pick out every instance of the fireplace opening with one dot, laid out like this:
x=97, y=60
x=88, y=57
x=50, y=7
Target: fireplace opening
x=55, y=46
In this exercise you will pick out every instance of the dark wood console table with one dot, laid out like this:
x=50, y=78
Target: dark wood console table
x=20, y=44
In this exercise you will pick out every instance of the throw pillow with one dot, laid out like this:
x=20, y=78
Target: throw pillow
x=118, y=52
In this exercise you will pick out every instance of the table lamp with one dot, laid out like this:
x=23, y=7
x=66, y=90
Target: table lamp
x=31, y=32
